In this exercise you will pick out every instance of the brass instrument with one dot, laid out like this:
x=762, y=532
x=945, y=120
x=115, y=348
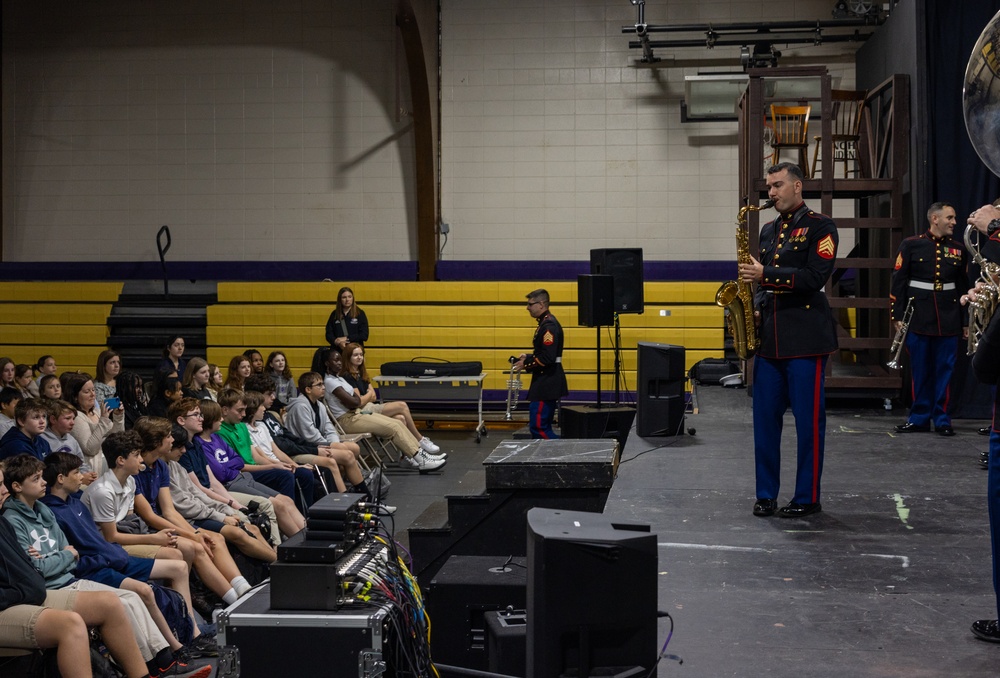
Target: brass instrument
x=897, y=341
x=737, y=295
x=513, y=390
x=981, y=108
x=987, y=293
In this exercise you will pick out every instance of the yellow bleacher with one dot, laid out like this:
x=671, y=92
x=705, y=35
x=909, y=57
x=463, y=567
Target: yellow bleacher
x=67, y=320
x=460, y=321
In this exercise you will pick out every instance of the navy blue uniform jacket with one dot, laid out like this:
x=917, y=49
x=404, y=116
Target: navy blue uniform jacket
x=934, y=261
x=548, y=381
x=797, y=251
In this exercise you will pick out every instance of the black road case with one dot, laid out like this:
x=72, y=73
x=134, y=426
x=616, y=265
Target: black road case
x=345, y=643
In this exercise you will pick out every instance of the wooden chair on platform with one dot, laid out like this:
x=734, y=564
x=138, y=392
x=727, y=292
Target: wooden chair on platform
x=845, y=127
x=791, y=130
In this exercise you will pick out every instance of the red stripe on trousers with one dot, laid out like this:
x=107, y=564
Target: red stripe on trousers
x=538, y=421
x=816, y=395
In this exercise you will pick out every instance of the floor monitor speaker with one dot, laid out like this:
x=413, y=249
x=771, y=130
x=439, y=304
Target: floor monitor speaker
x=660, y=375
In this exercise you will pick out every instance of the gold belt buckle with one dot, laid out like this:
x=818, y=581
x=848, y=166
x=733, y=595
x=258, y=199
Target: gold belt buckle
x=938, y=287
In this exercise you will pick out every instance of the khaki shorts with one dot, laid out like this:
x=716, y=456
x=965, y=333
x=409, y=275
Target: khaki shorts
x=142, y=550
x=17, y=623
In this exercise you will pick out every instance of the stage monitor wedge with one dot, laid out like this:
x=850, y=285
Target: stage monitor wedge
x=625, y=265
x=592, y=595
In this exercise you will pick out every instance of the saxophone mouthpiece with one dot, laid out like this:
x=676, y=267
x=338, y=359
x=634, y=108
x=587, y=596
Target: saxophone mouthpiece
x=767, y=205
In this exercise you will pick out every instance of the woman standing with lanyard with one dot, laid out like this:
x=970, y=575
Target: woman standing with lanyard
x=348, y=324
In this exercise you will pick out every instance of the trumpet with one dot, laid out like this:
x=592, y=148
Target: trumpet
x=513, y=390
x=897, y=341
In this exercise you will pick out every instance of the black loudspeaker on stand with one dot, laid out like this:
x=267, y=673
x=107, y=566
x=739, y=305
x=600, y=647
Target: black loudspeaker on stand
x=625, y=265
x=595, y=300
x=660, y=405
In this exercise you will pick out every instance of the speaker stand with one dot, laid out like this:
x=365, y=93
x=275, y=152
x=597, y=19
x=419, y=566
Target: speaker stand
x=599, y=366
x=618, y=359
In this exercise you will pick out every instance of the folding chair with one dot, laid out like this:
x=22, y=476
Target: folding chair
x=791, y=130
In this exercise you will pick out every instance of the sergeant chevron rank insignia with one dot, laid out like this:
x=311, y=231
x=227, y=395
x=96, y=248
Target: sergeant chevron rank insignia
x=548, y=339
x=825, y=248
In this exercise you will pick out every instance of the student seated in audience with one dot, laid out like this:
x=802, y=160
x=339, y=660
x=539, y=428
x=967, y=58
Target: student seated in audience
x=154, y=504
x=355, y=373
x=46, y=365
x=62, y=419
x=216, y=380
x=49, y=387
x=239, y=370
x=173, y=357
x=195, y=381
x=111, y=500
x=262, y=440
x=192, y=504
x=168, y=390
x=33, y=617
x=9, y=398
x=132, y=393
x=277, y=476
x=224, y=479
x=345, y=405
x=284, y=383
x=24, y=381
x=109, y=564
x=93, y=422
x=109, y=365
x=256, y=361
x=26, y=438
x=40, y=536
x=7, y=368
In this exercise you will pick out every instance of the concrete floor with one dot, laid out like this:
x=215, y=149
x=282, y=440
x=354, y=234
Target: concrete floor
x=884, y=582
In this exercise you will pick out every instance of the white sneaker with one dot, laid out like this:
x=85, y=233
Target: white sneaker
x=386, y=509
x=429, y=447
x=421, y=462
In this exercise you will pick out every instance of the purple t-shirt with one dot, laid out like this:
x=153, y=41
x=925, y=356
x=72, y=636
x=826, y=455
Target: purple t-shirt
x=224, y=461
x=150, y=480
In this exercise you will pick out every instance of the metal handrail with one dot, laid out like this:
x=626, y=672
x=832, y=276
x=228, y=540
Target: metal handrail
x=162, y=249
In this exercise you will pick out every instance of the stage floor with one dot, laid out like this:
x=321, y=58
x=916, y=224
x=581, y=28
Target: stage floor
x=884, y=582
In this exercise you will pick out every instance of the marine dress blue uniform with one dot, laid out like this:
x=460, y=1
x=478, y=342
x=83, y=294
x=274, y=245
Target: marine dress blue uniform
x=548, y=380
x=797, y=334
x=932, y=271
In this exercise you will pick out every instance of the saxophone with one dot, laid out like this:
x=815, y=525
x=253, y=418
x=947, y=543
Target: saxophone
x=737, y=295
x=987, y=293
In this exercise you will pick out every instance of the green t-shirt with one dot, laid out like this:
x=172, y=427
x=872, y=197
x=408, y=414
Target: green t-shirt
x=238, y=437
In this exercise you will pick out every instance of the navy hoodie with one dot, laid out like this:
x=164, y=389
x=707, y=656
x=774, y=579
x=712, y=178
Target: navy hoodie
x=20, y=582
x=96, y=553
x=14, y=442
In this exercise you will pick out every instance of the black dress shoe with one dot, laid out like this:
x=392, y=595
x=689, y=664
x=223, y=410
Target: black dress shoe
x=946, y=431
x=793, y=510
x=765, y=507
x=984, y=459
x=911, y=428
x=985, y=431
x=987, y=629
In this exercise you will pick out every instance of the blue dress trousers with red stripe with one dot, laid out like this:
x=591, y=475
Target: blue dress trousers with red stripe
x=797, y=334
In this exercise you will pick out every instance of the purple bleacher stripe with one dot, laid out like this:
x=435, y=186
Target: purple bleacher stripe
x=267, y=271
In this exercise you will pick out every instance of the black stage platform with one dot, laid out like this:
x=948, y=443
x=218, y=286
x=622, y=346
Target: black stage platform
x=884, y=582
